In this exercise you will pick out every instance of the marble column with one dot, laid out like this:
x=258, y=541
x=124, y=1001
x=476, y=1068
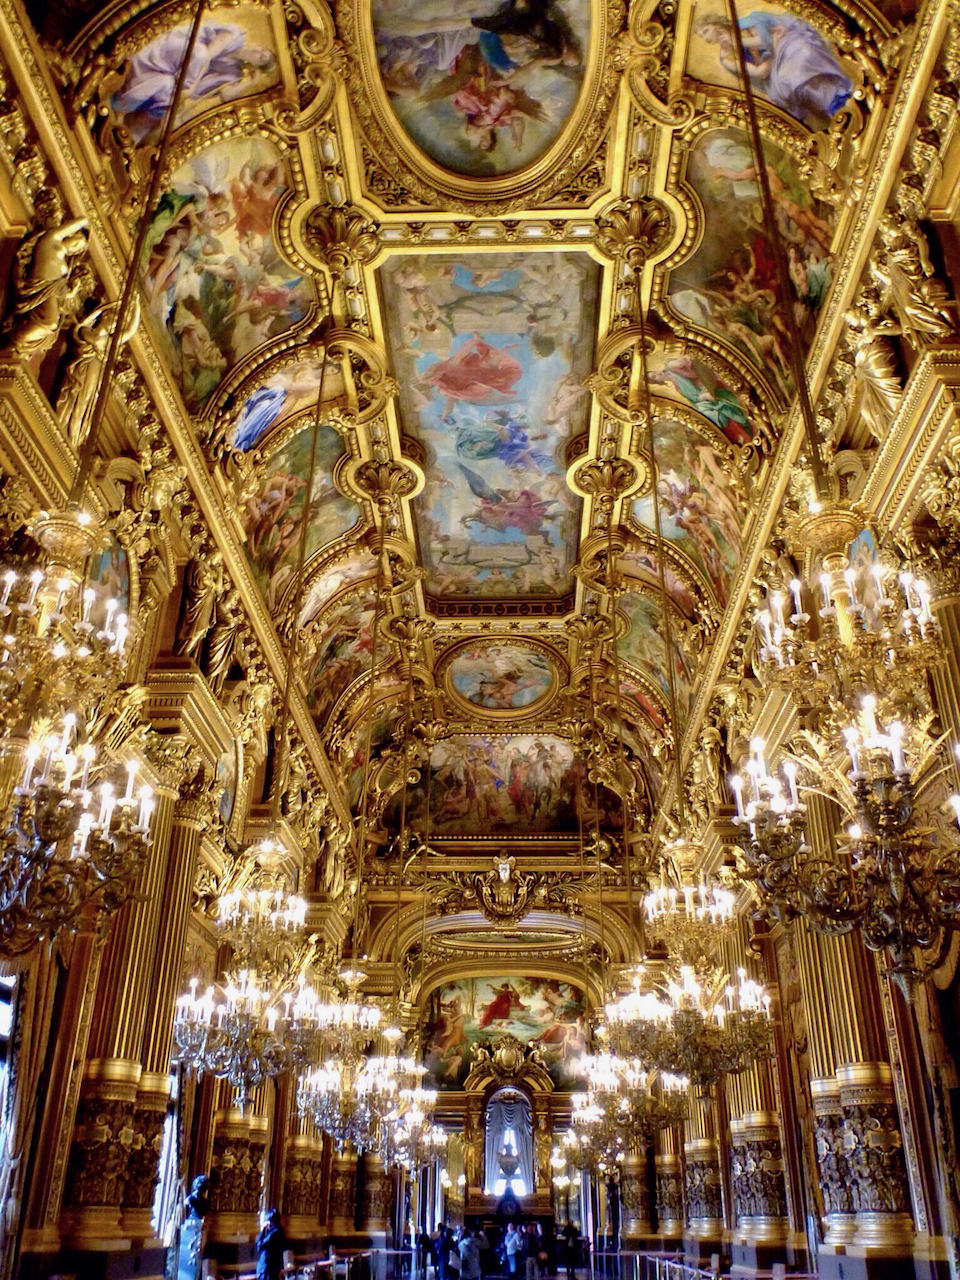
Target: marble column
x=302, y=1182
x=343, y=1193
x=848, y=1054
x=703, y=1182
x=190, y=813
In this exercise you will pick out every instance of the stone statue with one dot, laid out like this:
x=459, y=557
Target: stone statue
x=48, y=279
x=91, y=341
x=190, y=1252
x=201, y=587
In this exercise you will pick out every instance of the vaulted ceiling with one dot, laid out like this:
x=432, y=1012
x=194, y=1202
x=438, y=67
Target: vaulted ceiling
x=466, y=187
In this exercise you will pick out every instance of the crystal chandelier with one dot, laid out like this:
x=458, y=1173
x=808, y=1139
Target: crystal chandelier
x=620, y=1109
x=346, y=1094
x=75, y=835
x=70, y=845
x=410, y=1139
x=698, y=1028
x=244, y=1033
x=890, y=877
x=854, y=633
x=263, y=924
x=263, y=1019
x=688, y=915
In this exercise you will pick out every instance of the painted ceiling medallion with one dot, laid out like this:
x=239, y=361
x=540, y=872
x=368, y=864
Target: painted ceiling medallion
x=484, y=88
x=480, y=103
x=501, y=677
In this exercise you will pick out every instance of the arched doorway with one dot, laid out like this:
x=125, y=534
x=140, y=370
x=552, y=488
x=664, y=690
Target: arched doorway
x=508, y=1143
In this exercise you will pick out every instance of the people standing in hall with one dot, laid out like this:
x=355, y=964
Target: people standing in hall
x=571, y=1248
x=513, y=1246
x=271, y=1243
x=469, y=1256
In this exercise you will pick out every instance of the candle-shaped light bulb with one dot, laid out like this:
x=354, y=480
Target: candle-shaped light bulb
x=825, y=589
x=33, y=752
x=35, y=579
x=955, y=803
x=852, y=739
x=796, y=586
x=736, y=786
x=895, y=737
x=776, y=601
x=89, y=596
x=756, y=746
x=923, y=593
x=112, y=606
x=146, y=806
x=9, y=578
x=69, y=720
x=131, y=779
x=850, y=576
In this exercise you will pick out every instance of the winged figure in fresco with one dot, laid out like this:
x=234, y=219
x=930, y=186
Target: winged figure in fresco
x=503, y=509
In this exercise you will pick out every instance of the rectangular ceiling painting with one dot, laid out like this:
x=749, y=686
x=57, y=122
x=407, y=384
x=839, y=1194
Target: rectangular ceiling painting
x=491, y=351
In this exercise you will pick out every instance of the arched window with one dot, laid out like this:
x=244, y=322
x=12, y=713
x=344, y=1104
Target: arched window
x=508, y=1144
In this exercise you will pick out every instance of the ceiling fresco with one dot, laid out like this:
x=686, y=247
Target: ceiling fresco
x=275, y=513
x=791, y=64
x=426, y=206
x=214, y=279
x=729, y=286
x=234, y=58
x=520, y=784
x=698, y=503
x=491, y=352
x=482, y=87
x=464, y=1015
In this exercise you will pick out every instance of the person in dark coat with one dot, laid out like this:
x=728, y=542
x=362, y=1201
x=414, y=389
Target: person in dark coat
x=271, y=1242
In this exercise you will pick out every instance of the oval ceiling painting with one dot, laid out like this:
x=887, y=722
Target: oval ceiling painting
x=501, y=675
x=483, y=87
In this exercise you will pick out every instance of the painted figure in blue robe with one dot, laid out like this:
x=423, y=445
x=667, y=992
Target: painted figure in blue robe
x=222, y=60
x=789, y=62
x=502, y=434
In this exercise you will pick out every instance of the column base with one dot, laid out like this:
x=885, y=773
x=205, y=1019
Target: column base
x=883, y=1231
x=138, y=1225
x=700, y=1242
x=232, y=1228
x=95, y=1226
x=839, y=1229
